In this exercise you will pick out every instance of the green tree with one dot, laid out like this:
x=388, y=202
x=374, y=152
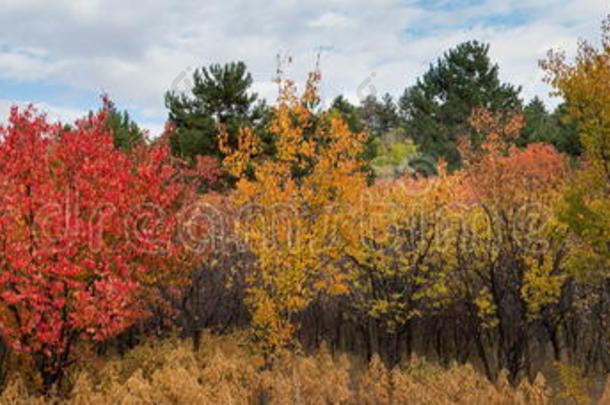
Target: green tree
x=386, y=150
x=348, y=112
x=125, y=131
x=555, y=128
x=394, y=153
x=379, y=116
x=436, y=109
x=539, y=123
x=567, y=139
x=221, y=94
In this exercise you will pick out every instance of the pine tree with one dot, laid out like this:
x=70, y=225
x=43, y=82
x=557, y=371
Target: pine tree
x=126, y=132
x=348, y=112
x=540, y=126
x=221, y=94
x=567, y=139
x=379, y=116
x=437, y=107
x=554, y=128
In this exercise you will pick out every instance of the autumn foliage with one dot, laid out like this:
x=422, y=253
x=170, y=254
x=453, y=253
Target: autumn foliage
x=500, y=266
x=482, y=245
x=295, y=212
x=81, y=224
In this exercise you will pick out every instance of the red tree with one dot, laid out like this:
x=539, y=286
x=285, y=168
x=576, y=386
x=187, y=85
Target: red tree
x=83, y=226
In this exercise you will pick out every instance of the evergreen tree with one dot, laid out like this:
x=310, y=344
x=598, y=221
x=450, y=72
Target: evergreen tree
x=221, y=94
x=436, y=109
x=348, y=112
x=554, y=128
x=379, y=116
x=539, y=124
x=125, y=131
x=567, y=139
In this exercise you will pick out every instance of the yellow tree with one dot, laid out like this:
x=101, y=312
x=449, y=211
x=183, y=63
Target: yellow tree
x=401, y=267
x=585, y=85
x=296, y=209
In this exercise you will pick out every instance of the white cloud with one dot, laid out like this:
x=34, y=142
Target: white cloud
x=136, y=53
x=330, y=20
x=53, y=113
x=64, y=115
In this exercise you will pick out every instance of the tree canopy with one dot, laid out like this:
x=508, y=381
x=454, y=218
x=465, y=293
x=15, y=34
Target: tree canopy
x=436, y=109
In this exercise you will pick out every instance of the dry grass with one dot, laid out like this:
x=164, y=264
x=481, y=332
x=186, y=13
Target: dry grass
x=225, y=372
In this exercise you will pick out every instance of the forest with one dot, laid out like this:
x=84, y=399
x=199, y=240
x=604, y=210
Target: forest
x=449, y=246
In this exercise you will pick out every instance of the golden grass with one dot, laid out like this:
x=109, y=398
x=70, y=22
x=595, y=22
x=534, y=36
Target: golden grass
x=224, y=371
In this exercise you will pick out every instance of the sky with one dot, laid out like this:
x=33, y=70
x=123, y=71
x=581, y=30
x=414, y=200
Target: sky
x=62, y=54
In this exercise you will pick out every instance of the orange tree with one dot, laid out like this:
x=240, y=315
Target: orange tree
x=295, y=209
x=510, y=248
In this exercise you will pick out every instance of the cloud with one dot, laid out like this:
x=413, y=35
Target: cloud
x=53, y=113
x=330, y=20
x=137, y=52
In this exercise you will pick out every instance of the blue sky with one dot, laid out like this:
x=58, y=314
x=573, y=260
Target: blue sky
x=62, y=55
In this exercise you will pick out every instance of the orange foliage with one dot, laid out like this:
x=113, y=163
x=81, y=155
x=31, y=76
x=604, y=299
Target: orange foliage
x=296, y=210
